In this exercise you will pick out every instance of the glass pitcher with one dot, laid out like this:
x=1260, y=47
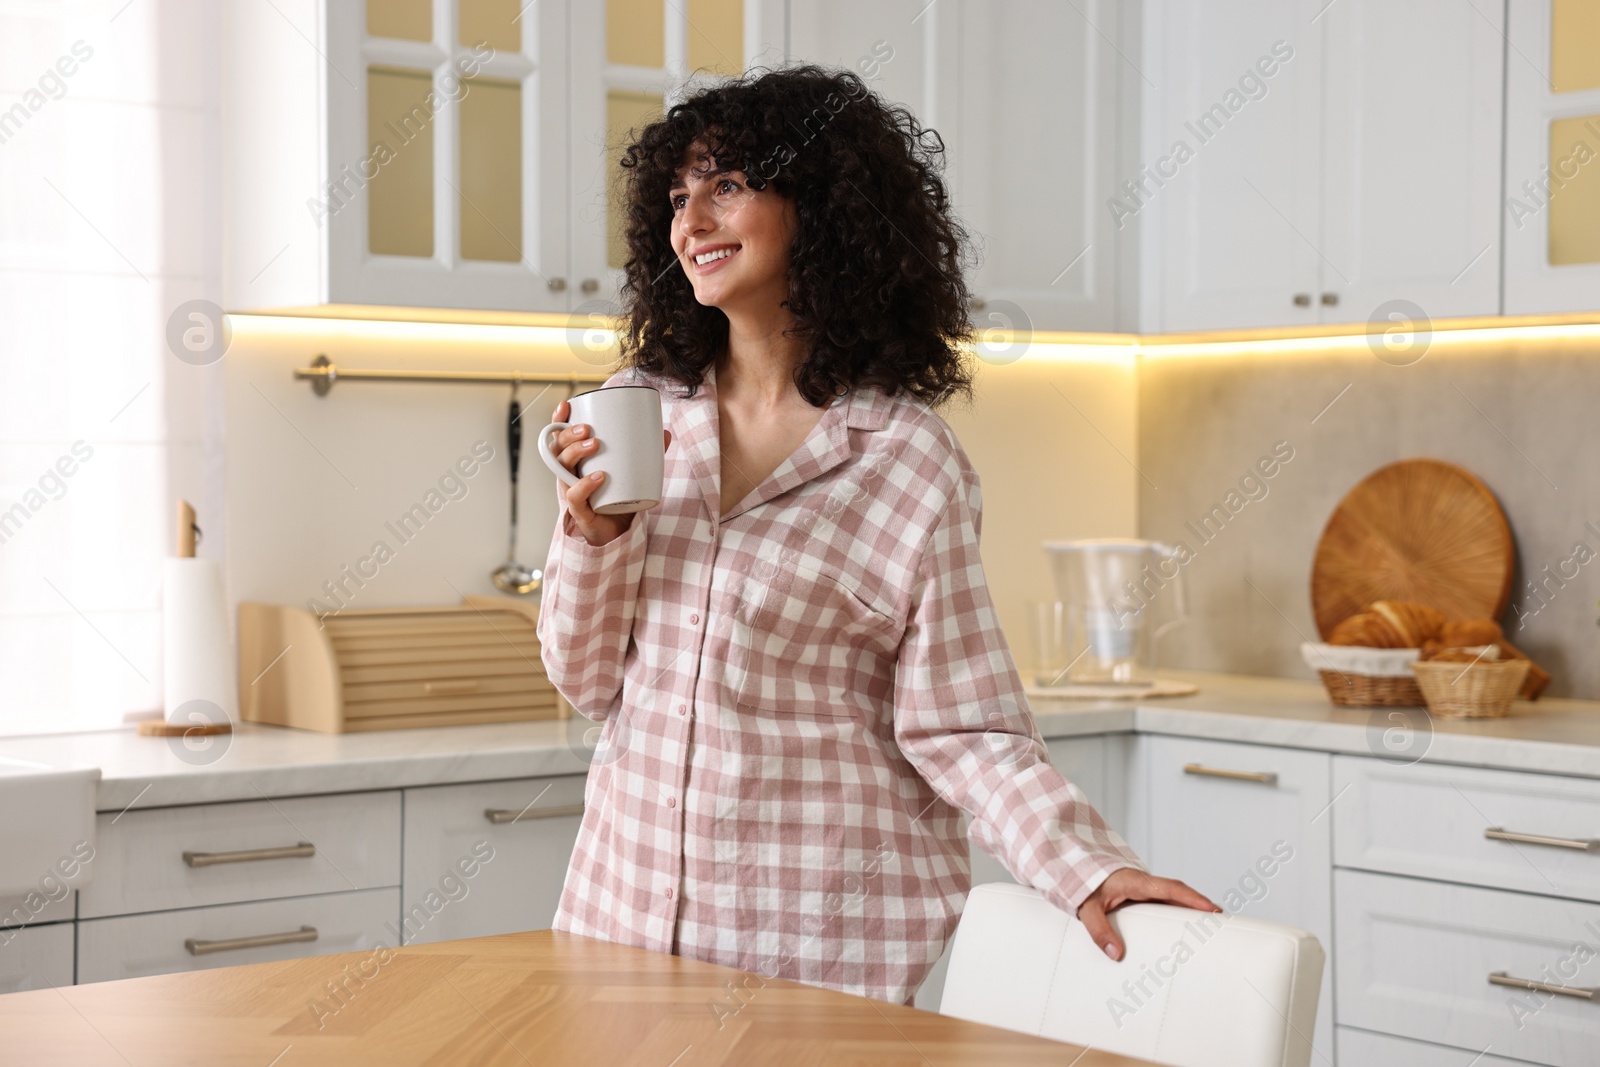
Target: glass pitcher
x=1119, y=597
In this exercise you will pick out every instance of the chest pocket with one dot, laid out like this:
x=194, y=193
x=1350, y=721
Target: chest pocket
x=805, y=643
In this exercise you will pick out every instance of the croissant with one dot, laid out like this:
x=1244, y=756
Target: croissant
x=1538, y=678
x=1416, y=623
x=1367, y=629
x=1467, y=633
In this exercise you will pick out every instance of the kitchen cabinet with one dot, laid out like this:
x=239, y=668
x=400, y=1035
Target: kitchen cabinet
x=195, y=939
x=1028, y=99
x=1535, y=833
x=487, y=858
x=410, y=153
x=36, y=957
x=451, y=153
x=1359, y=1048
x=248, y=850
x=1249, y=826
x=630, y=60
x=1311, y=163
x=1418, y=959
x=1552, y=157
x=1488, y=872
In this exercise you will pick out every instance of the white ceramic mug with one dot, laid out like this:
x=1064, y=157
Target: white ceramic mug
x=626, y=420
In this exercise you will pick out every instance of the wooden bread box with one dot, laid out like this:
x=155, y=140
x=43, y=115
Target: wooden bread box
x=393, y=668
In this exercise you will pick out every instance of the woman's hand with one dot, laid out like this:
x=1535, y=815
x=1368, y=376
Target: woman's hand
x=1128, y=886
x=572, y=445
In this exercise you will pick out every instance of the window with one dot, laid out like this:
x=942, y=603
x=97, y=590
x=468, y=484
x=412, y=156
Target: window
x=108, y=218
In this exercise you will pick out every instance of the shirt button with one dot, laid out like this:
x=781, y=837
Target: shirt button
x=672, y=802
x=668, y=891
x=683, y=709
x=694, y=620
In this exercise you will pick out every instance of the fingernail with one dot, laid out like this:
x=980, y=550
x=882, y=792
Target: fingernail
x=579, y=431
x=597, y=475
x=589, y=444
x=1111, y=950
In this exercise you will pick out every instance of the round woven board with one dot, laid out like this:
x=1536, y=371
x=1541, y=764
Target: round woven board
x=1417, y=530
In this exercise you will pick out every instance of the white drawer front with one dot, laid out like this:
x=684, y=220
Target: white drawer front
x=132, y=946
x=1414, y=959
x=1430, y=821
x=140, y=864
x=468, y=876
x=1358, y=1048
x=39, y=957
x=1248, y=826
x=51, y=903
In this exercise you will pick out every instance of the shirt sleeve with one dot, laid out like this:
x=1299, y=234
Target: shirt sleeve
x=962, y=720
x=586, y=613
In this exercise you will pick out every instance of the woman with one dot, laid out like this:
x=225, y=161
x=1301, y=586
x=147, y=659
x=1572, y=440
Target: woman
x=801, y=676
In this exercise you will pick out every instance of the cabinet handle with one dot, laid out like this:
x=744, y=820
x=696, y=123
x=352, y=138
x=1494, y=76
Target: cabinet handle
x=1502, y=978
x=1330, y=299
x=505, y=815
x=1302, y=300
x=558, y=285
x=303, y=850
x=1577, y=844
x=590, y=285
x=978, y=303
x=461, y=685
x=1264, y=777
x=198, y=947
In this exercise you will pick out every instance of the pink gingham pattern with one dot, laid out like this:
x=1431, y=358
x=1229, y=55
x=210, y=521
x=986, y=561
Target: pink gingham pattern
x=799, y=699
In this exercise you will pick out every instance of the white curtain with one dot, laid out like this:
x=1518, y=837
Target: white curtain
x=109, y=205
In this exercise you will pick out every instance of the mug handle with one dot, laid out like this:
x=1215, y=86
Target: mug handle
x=561, y=473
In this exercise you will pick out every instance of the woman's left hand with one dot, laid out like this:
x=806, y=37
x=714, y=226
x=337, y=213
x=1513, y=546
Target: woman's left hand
x=1129, y=886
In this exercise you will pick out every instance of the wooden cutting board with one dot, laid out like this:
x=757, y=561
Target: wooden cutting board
x=1417, y=530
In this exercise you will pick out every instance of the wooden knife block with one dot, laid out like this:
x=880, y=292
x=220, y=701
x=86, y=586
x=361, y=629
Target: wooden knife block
x=394, y=668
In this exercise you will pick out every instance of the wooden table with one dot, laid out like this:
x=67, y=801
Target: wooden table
x=539, y=998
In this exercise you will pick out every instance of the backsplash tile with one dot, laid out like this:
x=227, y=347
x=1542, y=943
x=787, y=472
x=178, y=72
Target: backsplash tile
x=1519, y=413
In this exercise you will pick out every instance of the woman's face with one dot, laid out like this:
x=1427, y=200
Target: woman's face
x=732, y=241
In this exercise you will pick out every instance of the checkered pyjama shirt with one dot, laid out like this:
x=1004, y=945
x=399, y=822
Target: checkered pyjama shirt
x=798, y=700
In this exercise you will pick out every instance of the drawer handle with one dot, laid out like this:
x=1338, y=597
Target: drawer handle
x=465, y=685
x=198, y=947
x=1502, y=978
x=1264, y=777
x=303, y=850
x=1577, y=844
x=505, y=815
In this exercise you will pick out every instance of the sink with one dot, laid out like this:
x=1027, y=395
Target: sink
x=46, y=826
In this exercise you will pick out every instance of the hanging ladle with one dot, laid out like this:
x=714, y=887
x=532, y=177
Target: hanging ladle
x=512, y=576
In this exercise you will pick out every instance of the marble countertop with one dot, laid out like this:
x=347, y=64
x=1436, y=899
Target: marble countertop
x=1552, y=736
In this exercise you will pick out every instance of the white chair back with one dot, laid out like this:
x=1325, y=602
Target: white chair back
x=1195, y=989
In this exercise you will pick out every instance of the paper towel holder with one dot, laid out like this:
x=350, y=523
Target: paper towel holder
x=189, y=535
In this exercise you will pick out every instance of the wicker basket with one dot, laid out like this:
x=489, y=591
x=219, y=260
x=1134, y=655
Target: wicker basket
x=1371, y=691
x=1481, y=690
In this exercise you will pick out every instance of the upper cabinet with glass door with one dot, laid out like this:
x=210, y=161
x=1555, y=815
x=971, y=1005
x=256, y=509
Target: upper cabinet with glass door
x=1552, y=176
x=631, y=60
x=397, y=152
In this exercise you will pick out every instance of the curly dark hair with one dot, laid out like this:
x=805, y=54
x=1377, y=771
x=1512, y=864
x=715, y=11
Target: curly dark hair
x=876, y=280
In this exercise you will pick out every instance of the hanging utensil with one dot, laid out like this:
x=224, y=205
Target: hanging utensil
x=512, y=576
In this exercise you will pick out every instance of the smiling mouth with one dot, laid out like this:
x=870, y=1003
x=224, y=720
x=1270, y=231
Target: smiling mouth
x=712, y=260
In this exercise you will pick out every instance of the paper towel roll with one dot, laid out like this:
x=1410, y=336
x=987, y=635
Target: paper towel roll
x=196, y=651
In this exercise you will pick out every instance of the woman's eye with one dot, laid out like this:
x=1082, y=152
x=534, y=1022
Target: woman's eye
x=678, y=202
x=728, y=186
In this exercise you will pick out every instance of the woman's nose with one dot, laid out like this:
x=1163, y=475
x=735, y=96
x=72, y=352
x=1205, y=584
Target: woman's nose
x=697, y=216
